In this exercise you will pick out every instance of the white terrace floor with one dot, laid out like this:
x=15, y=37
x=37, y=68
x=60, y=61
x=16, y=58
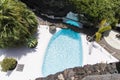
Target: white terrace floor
x=112, y=40
x=33, y=58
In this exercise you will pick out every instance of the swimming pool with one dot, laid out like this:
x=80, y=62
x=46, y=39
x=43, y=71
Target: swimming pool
x=64, y=51
x=74, y=23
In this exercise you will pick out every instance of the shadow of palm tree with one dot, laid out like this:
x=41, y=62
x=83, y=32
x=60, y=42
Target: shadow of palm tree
x=17, y=52
x=106, y=33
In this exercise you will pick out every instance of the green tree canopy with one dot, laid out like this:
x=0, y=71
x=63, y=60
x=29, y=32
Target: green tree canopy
x=97, y=10
x=17, y=23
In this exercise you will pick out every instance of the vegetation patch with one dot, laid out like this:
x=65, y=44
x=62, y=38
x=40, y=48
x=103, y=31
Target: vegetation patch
x=8, y=64
x=32, y=42
x=103, y=28
x=97, y=10
x=17, y=23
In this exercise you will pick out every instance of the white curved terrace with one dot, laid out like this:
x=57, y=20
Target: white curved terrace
x=112, y=40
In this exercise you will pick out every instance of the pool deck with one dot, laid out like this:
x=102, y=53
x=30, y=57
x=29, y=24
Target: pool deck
x=94, y=53
x=32, y=59
x=111, y=43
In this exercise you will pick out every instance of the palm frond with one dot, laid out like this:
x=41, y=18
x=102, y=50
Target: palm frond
x=17, y=23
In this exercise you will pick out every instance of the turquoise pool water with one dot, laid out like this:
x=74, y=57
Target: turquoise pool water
x=73, y=23
x=64, y=51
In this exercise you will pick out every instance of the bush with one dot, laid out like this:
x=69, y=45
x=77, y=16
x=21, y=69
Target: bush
x=17, y=23
x=8, y=64
x=32, y=42
x=97, y=10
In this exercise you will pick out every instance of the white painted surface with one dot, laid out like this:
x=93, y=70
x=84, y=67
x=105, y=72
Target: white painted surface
x=93, y=53
x=33, y=58
x=112, y=40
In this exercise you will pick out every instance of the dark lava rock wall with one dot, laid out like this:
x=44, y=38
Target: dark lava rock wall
x=79, y=73
x=103, y=77
x=50, y=7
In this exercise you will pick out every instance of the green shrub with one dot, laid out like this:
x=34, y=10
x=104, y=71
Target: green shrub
x=97, y=10
x=32, y=42
x=17, y=23
x=8, y=64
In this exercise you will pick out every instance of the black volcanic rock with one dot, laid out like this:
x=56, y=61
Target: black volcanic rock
x=88, y=72
x=103, y=77
x=50, y=7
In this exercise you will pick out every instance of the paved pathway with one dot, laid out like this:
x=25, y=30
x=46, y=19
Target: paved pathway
x=112, y=40
x=111, y=43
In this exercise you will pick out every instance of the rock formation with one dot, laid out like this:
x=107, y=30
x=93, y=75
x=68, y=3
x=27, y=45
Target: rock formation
x=50, y=7
x=88, y=72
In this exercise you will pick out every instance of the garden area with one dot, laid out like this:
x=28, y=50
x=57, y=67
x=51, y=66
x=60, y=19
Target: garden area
x=20, y=26
x=92, y=14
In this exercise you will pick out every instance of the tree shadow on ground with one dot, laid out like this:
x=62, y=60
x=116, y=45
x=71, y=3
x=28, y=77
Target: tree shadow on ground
x=106, y=33
x=17, y=52
x=9, y=73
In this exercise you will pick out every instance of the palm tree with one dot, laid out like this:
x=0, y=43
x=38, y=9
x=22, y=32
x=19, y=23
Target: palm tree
x=17, y=23
x=103, y=28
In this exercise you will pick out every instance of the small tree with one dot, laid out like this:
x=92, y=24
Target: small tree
x=103, y=28
x=8, y=64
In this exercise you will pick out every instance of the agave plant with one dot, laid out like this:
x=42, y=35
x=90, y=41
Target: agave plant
x=17, y=23
x=102, y=29
x=32, y=42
